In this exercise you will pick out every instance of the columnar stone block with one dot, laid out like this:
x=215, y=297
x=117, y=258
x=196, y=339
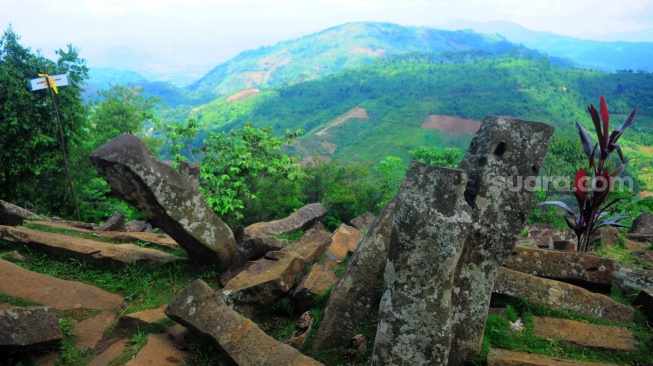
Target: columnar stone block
x=502, y=165
x=427, y=239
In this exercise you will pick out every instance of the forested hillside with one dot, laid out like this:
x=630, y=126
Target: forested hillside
x=399, y=93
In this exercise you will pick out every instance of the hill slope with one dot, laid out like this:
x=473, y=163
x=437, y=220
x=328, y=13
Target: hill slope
x=400, y=95
x=338, y=48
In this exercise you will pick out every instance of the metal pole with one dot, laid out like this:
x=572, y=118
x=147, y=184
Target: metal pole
x=63, y=144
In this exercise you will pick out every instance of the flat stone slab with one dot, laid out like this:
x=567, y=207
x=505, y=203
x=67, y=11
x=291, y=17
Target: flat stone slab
x=502, y=357
x=142, y=318
x=159, y=351
x=28, y=328
x=201, y=310
x=561, y=296
x=159, y=240
x=89, y=331
x=300, y=219
x=93, y=251
x=584, y=334
x=109, y=354
x=54, y=292
x=563, y=266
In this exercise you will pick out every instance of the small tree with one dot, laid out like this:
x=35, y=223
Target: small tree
x=591, y=198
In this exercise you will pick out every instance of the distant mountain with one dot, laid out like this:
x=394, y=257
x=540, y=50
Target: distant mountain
x=604, y=56
x=338, y=48
x=407, y=101
x=102, y=78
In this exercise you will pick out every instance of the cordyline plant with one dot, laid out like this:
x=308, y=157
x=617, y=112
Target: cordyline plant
x=591, y=191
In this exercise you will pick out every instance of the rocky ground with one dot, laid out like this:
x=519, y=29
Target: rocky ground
x=99, y=317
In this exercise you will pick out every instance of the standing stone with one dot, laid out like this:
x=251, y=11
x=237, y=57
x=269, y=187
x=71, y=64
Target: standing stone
x=359, y=289
x=427, y=239
x=502, y=164
x=168, y=197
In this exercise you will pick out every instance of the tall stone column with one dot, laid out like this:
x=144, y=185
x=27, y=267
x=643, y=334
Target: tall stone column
x=502, y=164
x=430, y=222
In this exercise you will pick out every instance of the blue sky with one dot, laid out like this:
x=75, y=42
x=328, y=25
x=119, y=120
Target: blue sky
x=198, y=34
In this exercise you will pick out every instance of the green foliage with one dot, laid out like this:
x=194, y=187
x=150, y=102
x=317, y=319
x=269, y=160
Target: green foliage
x=345, y=190
x=31, y=166
x=178, y=138
x=448, y=157
x=387, y=176
x=235, y=162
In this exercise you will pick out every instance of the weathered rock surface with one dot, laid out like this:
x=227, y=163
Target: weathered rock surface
x=169, y=198
x=137, y=226
x=200, y=309
x=427, y=239
x=581, y=269
x=502, y=164
x=544, y=242
x=548, y=230
x=274, y=275
x=47, y=290
x=322, y=275
x=92, y=251
x=363, y=221
x=645, y=301
x=12, y=215
x=561, y=296
x=159, y=351
x=28, y=328
x=633, y=280
x=142, y=318
x=109, y=354
x=90, y=331
x=113, y=223
x=252, y=248
x=584, y=334
x=643, y=224
x=502, y=357
x=300, y=219
x=359, y=289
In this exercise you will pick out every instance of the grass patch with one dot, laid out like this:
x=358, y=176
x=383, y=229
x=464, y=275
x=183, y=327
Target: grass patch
x=69, y=232
x=17, y=301
x=621, y=255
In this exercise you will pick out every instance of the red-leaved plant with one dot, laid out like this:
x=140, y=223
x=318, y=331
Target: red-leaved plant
x=591, y=199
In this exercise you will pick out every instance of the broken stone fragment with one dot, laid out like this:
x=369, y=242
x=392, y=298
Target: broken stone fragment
x=274, y=275
x=502, y=165
x=427, y=239
x=113, y=223
x=28, y=328
x=168, y=197
x=201, y=310
x=322, y=275
x=302, y=330
x=300, y=219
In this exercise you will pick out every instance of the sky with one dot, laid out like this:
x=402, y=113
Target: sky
x=193, y=36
